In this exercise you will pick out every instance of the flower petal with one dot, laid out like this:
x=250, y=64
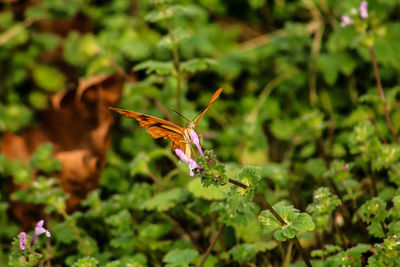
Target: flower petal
x=346, y=20
x=22, y=240
x=196, y=141
x=39, y=229
x=191, y=162
x=363, y=10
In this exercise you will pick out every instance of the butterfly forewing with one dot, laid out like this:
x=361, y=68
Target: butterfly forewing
x=158, y=128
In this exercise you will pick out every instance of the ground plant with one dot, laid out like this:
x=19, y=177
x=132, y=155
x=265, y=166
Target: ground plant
x=296, y=161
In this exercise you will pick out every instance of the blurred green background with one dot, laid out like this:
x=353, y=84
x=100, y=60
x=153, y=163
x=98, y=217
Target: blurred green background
x=296, y=84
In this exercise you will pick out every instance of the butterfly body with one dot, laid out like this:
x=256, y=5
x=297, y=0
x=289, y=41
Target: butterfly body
x=158, y=128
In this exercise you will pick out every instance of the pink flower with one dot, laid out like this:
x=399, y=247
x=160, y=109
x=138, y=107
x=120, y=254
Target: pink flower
x=39, y=229
x=195, y=139
x=22, y=240
x=363, y=10
x=346, y=20
x=346, y=166
x=192, y=164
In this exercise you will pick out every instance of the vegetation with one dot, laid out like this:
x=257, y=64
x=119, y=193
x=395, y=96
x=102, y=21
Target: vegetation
x=301, y=160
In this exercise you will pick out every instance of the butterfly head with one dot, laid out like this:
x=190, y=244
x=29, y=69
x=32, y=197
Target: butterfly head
x=190, y=125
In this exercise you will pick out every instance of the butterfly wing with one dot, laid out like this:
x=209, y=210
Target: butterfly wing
x=158, y=128
x=213, y=98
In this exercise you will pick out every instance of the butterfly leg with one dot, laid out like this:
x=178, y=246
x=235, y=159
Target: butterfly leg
x=201, y=139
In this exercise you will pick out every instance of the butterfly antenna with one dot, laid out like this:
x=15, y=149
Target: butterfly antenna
x=201, y=112
x=179, y=114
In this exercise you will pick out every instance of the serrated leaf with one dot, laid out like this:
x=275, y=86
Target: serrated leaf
x=303, y=222
x=295, y=221
x=179, y=257
x=250, y=175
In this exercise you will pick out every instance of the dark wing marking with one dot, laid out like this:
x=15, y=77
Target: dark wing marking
x=158, y=128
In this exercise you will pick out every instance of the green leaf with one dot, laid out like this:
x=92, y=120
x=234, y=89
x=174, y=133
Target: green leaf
x=178, y=36
x=86, y=262
x=295, y=221
x=303, y=222
x=164, y=201
x=243, y=252
x=158, y=67
x=38, y=100
x=14, y=117
x=328, y=65
x=88, y=47
x=174, y=10
x=316, y=167
x=48, y=78
x=350, y=257
x=44, y=160
x=179, y=257
x=195, y=65
x=250, y=176
x=277, y=172
x=209, y=193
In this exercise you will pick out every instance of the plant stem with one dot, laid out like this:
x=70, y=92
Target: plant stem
x=76, y=232
x=278, y=217
x=381, y=93
x=177, y=67
x=288, y=256
x=212, y=244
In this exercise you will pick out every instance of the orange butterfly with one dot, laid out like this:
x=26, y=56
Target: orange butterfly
x=181, y=138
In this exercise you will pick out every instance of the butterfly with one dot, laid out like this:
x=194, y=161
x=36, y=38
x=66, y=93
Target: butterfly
x=181, y=138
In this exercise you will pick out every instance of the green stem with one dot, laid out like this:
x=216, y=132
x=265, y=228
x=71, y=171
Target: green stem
x=76, y=232
x=288, y=256
x=381, y=93
x=278, y=217
x=177, y=67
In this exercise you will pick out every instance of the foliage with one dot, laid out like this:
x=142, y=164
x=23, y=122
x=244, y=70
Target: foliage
x=301, y=149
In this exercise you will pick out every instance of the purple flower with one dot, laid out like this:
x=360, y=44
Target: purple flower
x=195, y=139
x=346, y=20
x=192, y=164
x=22, y=240
x=363, y=10
x=39, y=229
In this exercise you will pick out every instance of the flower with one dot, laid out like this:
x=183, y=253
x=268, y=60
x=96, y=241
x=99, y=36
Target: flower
x=39, y=229
x=363, y=10
x=195, y=139
x=22, y=240
x=192, y=164
x=345, y=166
x=346, y=20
